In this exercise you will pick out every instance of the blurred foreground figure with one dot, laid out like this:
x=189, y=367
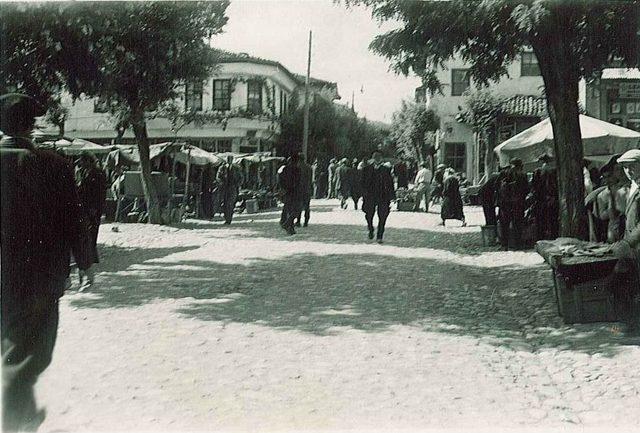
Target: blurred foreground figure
x=41, y=226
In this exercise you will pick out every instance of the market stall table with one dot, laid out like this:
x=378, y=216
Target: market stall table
x=583, y=279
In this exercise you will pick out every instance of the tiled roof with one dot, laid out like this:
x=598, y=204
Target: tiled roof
x=525, y=105
x=621, y=74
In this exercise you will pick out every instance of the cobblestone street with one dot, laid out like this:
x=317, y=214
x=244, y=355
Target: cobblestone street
x=203, y=326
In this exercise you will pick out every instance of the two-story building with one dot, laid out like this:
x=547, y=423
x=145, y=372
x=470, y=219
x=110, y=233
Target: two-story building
x=243, y=99
x=522, y=90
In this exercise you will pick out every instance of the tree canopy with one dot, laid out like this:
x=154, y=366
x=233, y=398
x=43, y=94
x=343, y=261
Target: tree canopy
x=133, y=55
x=412, y=130
x=570, y=38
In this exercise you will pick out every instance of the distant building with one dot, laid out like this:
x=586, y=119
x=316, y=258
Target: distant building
x=524, y=106
x=250, y=93
x=615, y=97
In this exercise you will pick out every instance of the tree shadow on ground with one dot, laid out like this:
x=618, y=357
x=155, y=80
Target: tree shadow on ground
x=323, y=295
x=467, y=243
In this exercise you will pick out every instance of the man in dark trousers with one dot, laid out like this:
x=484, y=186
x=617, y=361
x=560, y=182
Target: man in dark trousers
x=229, y=178
x=512, y=194
x=41, y=227
x=306, y=189
x=377, y=193
x=291, y=192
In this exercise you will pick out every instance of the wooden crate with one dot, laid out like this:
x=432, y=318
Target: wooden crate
x=251, y=206
x=585, y=301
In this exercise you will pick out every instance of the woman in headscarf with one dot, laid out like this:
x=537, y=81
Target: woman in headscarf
x=451, y=199
x=92, y=191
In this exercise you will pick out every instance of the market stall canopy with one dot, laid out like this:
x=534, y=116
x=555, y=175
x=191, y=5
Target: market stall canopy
x=77, y=146
x=129, y=155
x=196, y=156
x=600, y=140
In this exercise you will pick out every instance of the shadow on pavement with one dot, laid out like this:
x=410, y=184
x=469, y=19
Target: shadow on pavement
x=467, y=243
x=322, y=295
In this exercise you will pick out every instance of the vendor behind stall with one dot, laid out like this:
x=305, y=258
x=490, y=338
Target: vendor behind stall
x=627, y=250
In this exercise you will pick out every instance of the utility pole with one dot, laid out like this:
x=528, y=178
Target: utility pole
x=353, y=98
x=305, y=136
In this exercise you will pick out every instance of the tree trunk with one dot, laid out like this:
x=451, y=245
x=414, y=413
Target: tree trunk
x=558, y=68
x=150, y=195
x=61, y=129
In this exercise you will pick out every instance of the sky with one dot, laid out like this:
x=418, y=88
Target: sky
x=279, y=30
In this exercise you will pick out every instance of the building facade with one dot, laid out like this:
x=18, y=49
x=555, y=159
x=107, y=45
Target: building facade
x=615, y=97
x=242, y=103
x=524, y=106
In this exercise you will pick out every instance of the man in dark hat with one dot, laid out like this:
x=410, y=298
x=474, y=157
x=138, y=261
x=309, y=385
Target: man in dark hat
x=230, y=178
x=377, y=193
x=291, y=192
x=512, y=194
x=41, y=226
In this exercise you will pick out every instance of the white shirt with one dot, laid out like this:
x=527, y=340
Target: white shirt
x=423, y=176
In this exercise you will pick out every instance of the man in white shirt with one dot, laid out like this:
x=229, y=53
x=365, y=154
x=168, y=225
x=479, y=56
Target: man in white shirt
x=422, y=187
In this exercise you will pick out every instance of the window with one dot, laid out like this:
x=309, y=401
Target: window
x=529, y=65
x=224, y=146
x=100, y=105
x=221, y=94
x=459, y=81
x=193, y=97
x=454, y=156
x=254, y=97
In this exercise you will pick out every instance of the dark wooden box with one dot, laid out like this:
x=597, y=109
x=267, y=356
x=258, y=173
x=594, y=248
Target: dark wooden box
x=583, y=286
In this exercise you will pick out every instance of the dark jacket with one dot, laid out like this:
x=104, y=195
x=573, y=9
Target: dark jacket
x=229, y=178
x=290, y=182
x=92, y=191
x=377, y=184
x=306, y=181
x=41, y=221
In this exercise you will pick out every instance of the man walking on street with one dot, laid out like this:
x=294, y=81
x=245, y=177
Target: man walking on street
x=315, y=178
x=306, y=186
x=41, y=227
x=423, y=187
x=343, y=183
x=292, y=197
x=377, y=193
x=230, y=179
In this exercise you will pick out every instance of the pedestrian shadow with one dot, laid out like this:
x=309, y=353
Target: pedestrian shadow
x=327, y=294
x=114, y=258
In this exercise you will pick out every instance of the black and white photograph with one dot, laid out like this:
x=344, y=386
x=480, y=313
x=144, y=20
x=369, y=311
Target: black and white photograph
x=319, y=216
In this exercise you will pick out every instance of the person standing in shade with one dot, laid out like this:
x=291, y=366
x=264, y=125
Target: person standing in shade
x=423, y=187
x=401, y=171
x=290, y=184
x=92, y=191
x=488, y=193
x=512, y=194
x=306, y=186
x=377, y=193
x=627, y=270
x=229, y=178
x=331, y=178
x=41, y=225
x=437, y=183
x=343, y=183
x=451, y=199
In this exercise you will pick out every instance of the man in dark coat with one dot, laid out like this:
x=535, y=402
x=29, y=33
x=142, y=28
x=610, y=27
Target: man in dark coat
x=512, y=195
x=306, y=188
x=291, y=192
x=230, y=179
x=488, y=193
x=544, y=186
x=41, y=227
x=377, y=193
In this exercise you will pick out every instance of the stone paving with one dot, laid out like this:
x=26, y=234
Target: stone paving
x=204, y=327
